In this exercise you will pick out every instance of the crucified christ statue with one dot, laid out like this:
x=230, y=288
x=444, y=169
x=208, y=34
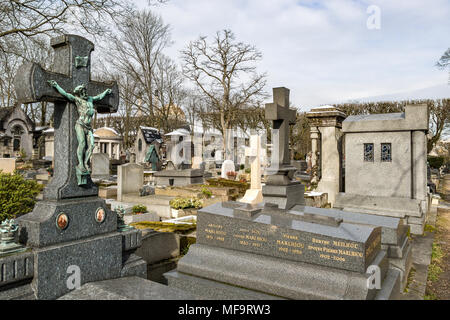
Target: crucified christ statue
x=83, y=128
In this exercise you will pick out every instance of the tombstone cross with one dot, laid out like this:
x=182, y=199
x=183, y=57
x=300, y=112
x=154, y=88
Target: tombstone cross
x=282, y=116
x=254, y=194
x=254, y=153
x=71, y=68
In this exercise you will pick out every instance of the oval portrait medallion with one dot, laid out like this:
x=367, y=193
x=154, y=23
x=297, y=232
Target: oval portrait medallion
x=100, y=215
x=62, y=221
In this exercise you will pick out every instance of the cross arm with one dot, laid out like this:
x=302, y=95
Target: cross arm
x=108, y=99
x=55, y=85
x=274, y=111
x=31, y=84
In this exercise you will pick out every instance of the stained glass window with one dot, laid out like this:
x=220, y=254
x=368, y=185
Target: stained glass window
x=368, y=152
x=386, y=154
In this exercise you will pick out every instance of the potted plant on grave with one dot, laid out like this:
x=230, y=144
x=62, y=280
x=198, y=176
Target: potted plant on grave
x=231, y=175
x=139, y=209
x=181, y=207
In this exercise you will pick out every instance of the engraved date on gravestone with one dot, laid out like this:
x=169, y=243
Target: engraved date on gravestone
x=282, y=242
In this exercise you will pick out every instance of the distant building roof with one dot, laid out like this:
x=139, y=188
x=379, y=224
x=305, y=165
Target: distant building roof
x=375, y=117
x=106, y=131
x=179, y=132
x=151, y=134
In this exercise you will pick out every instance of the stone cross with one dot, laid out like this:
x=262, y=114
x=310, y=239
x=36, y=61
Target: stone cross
x=71, y=68
x=254, y=153
x=254, y=194
x=281, y=116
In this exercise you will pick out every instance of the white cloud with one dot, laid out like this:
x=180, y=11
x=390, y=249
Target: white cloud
x=322, y=50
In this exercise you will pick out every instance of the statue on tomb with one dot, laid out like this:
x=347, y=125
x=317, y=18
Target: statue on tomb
x=152, y=157
x=83, y=128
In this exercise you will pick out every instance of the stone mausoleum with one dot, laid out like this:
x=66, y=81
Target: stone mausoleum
x=16, y=133
x=386, y=165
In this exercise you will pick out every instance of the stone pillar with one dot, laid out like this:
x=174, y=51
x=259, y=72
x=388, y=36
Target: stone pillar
x=314, y=133
x=110, y=149
x=328, y=121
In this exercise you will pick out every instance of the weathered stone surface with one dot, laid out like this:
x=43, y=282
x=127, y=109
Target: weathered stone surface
x=130, y=178
x=393, y=229
x=131, y=239
x=180, y=177
x=133, y=265
x=287, y=235
x=18, y=292
x=39, y=229
x=129, y=288
x=16, y=267
x=225, y=268
x=100, y=166
x=328, y=121
x=7, y=165
x=285, y=196
x=158, y=246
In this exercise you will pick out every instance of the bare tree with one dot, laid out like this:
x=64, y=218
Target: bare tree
x=444, y=61
x=439, y=113
x=218, y=69
x=26, y=19
x=141, y=38
x=169, y=93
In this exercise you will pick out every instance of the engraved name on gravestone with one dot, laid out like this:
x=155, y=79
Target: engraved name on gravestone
x=294, y=236
x=70, y=73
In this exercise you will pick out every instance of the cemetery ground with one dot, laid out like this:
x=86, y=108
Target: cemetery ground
x=438, y=282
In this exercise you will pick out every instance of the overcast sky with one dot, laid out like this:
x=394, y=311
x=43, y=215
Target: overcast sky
x=323, y=51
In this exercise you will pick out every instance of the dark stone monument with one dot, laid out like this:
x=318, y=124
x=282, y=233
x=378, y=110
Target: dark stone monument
x=280, y=187
x=264, y=252
x=394, y=235
x=71, y=233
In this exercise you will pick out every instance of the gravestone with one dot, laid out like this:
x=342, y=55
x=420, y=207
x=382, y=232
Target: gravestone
x=227, y=166
x=254, y=194
x=100, y=166
x=394, y=235
x=263, y=252
x=71, y=233
x=130, y=179
x=280, y=188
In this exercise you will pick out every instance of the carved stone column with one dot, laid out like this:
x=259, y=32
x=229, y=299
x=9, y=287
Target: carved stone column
x=326, y=123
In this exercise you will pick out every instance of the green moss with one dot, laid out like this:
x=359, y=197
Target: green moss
x=165, y=226
x=430, y=296
x=434, y=269
x=412, y=273
x=428, y=228
x=220, y=182
x=185, y=203
x=206, y=192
